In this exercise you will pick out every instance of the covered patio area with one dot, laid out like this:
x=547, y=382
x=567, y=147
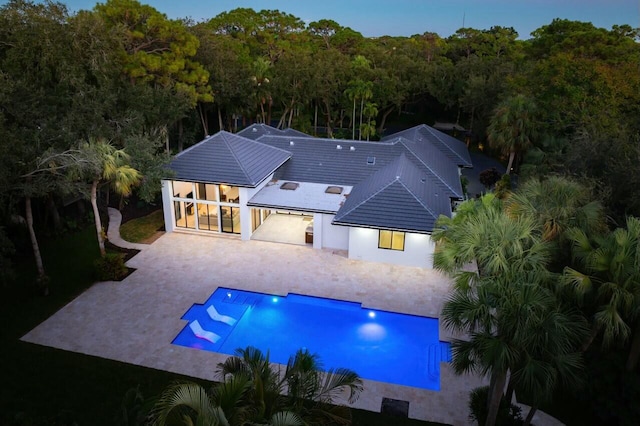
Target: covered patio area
x=285, y=228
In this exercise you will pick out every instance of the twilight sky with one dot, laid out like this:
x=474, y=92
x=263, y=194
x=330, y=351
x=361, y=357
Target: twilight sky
x=407, y=17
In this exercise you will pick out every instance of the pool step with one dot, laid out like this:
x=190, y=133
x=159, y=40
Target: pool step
x=437, y=353
x=240, y=298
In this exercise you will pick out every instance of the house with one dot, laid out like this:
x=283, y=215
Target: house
x=378, y=201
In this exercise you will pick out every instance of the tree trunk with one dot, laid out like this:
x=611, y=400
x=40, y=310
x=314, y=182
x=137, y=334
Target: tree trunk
x=315, y=120
x=594, y=332
x=220, y=123
x=353, y=120
x=532, y=412
x=96, y=214
x=204, y=124
x=42, y=276
x=512, y=155
x=509, y=393
x=496, y=391
x=385, y=115
x=283, y=117
x=290, y=118
x=634, y=352
x=180, y=139
x=361, y=109
x=329, y=130
x=53, y=212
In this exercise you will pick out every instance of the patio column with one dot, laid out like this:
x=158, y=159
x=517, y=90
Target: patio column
x=317, y=230
x=245, y=215
x=167, y=206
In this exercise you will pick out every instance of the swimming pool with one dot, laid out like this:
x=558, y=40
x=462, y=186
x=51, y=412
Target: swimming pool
x=378, y=345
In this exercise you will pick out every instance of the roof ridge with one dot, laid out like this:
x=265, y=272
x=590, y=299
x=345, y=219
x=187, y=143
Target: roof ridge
x=429, y=168
x=227, y=142
x=417, y=198
x=369, y=197
x=429, y=129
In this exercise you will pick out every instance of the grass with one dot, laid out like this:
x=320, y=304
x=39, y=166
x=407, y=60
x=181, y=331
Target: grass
x=47, y=386
x=142, y=229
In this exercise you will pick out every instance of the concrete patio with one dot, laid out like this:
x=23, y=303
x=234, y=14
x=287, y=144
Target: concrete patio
x=135, y=320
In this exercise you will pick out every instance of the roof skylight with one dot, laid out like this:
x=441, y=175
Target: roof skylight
x=333, y=190
x=289, y=186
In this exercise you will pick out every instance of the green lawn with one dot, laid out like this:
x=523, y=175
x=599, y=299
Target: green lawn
x=142, y=229
x=46, y=386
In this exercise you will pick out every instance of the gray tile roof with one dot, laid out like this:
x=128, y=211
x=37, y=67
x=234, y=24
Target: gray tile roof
x=255, y=131
x=400, y=196
x=451, y=147
x=229, y=159
x=320, y=160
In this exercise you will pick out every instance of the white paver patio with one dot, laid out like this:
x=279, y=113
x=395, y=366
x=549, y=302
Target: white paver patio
x=135, y=320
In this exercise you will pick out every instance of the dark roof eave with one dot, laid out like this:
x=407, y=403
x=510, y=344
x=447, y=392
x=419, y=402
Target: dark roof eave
x=384, y=228
x=293, y=209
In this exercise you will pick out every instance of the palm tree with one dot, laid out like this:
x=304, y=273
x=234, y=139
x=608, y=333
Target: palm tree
x=610, y=280
x=352, y=93
x=557, y=203
x=260, y=78
x=190, y=404
x=302, y=380
x=107, y=163
x=513, y=126
x=365, y=90
x=504, y=300
x=306, y=382
x=370, y=111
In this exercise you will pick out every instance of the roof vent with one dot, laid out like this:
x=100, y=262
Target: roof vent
x=333, y=190
x=353, y=148
x=423, y=180
x=338, y=146
x=291, y=143
x=254, y=130
x=371, y=161
x=289, y=186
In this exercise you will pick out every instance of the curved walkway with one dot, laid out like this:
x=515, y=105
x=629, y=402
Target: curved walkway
x=113, y=234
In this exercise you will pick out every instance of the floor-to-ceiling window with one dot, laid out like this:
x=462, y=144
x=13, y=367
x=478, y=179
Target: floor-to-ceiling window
x=206, y=207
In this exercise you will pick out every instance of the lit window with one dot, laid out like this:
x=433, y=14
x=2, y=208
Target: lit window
x=391, y=240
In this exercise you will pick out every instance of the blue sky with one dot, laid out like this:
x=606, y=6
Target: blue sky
x=406, y=17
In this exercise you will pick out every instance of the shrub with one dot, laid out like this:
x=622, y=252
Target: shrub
x=508, y=414
x=110, y=267
x=489, y=177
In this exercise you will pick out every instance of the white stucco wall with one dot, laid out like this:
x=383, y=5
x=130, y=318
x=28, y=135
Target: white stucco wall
x=418, y=248
x=333, y=236
x=167, y=207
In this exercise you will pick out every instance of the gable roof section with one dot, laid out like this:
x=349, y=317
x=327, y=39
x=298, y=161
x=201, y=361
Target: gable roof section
x=399, y=196
x=229, y=159
x=451, y=147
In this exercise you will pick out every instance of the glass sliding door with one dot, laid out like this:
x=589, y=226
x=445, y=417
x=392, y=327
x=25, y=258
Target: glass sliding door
x=230, y=219
x=208, y=217
x=184, y=213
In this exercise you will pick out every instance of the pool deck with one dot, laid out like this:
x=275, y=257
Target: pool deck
x=134, y=321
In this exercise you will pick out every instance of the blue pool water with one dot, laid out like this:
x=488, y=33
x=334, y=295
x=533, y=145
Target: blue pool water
x=378, y=345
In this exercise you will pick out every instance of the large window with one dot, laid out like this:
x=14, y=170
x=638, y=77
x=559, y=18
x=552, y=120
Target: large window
x=205, y=206
x=206, y=191
x=391, y=240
